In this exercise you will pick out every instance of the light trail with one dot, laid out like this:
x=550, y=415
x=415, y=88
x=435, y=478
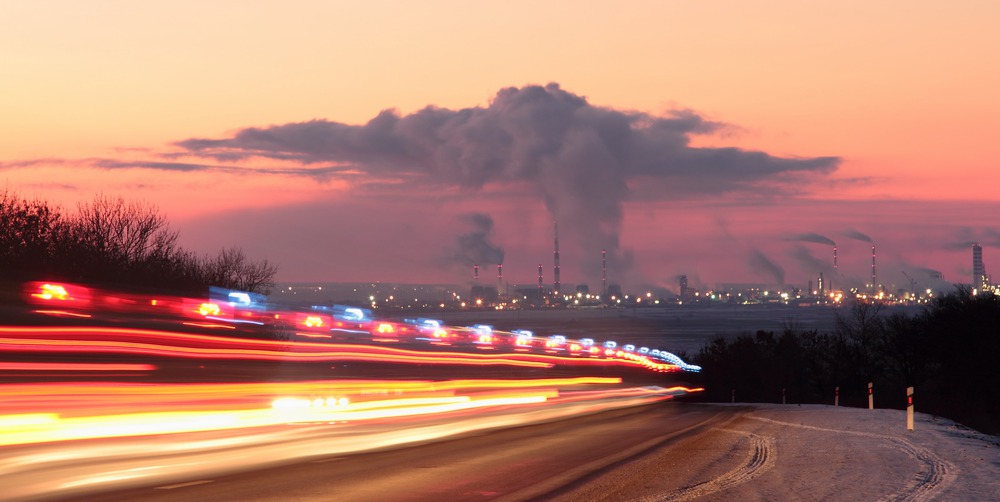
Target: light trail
x=34, y=413
x=81, y=398
x=63, y=313
x=160, y=447
x=91, y=340
x=15, y=366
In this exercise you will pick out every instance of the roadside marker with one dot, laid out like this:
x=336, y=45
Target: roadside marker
x=909, y=408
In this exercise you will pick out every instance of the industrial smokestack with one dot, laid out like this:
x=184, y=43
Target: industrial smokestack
x=475, y=272
x=978, y=267
x=555, y=273
x=834, y=266
x=541, y=289
x=874, y=277
x=604, y=273
x=499, y=277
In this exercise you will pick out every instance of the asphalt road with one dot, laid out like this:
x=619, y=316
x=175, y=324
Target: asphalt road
x=555, y=459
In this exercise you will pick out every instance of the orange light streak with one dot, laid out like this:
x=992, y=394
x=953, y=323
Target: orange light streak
x=91, y=339
x=177, y=408
x=12, y=366
x=368, y=354
x=235, y=348
x=208, y=325
x=313, y=335
x=62, y=313
x=83, y=398
x=49, y=428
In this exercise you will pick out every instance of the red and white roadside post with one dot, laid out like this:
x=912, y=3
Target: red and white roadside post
x=836, y=396
x=909, y=408
x=871, y=397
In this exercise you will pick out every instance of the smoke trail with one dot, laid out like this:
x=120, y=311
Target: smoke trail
x=963, y=245
x=475, y=247
x=854, y=234
x=967, y=236
x=767, y=268
x=929, y=272
x=810, y=263
x=812, y=237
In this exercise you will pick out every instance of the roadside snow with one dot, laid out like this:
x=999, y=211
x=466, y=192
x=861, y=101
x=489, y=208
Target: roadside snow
x=838, y=452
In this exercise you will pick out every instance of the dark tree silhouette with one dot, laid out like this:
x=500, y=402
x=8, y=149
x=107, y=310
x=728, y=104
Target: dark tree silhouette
x=232, y=269
x=113, y=242
x=948, y=353
x=27, y=231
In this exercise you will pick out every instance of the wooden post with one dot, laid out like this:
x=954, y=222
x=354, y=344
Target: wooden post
x=836, y=396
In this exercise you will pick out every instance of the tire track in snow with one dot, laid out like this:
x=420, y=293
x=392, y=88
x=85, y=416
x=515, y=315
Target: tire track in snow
x=760, y=459
x=939, y=474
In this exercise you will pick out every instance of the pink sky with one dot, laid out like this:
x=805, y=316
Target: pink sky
x=873, y=118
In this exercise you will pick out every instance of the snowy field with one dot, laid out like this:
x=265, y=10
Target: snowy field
x=872, y=451
x=814, y=452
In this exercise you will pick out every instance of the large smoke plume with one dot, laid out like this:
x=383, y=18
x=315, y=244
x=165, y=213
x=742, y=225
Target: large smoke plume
x=578, y=158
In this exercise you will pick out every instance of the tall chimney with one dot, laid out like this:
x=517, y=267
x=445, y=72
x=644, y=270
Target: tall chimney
x=475, y=272
x=835, y=276
x=541, y=288
x=499, y=277
x=874, y=277
x=555, y=273
x=604, y=273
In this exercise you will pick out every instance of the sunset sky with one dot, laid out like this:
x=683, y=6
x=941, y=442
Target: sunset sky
x=404, y=141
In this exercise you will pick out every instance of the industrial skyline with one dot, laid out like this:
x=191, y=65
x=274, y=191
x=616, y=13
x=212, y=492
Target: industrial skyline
x=930, y=280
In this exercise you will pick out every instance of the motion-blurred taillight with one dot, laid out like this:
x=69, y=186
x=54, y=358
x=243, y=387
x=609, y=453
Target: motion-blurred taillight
x=209, y=308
